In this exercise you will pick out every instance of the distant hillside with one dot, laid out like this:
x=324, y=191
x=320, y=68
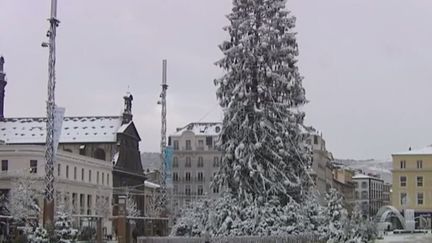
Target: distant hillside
x=151, y=161
x=381, y=167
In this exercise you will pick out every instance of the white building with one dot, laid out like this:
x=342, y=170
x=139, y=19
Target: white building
x=195, y=162
x=83, y=168
x=368, y=193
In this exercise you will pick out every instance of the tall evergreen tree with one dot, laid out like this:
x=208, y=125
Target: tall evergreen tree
x=260, y=94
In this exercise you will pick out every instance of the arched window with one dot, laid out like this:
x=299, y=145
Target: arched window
x=99, y=154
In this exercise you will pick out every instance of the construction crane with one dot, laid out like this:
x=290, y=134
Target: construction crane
x=162, y=202
x=48, y=214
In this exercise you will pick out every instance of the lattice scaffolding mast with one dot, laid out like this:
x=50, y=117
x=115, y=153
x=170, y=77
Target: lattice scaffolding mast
x=48, y=214
x=163, y=193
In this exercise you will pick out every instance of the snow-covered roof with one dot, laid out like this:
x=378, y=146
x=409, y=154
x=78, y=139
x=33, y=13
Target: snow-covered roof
x=423, y=151
x=363, y=176
x=90, y=129
x=201, y=128
x=149, y=184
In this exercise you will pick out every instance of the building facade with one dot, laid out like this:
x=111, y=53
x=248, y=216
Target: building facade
x=343, y=182
x=95, y=155
x=195, y=162
x=81, y=182
x=322, y=170
x=412, y=183
x=368, y=193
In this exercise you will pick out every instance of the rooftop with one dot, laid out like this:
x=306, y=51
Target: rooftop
x=83, y=129
x=422, y=151
x=201, y=128
x=363, y=176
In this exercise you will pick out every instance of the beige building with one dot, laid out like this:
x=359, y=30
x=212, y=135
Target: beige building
x=343, y=182
x=322, y=170
x=195, y=162
x=412, y=183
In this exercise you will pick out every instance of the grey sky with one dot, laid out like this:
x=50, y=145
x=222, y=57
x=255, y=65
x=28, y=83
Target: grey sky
x=366, y=65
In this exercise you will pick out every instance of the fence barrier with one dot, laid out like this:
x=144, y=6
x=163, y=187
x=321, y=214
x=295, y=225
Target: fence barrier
x=243, y=239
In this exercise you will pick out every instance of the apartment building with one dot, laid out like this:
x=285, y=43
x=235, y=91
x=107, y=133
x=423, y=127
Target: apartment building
x=368, y=193
x=412, y=183
x=195, y=162
x=387, y=188
x=322, y=171
x=343, y=182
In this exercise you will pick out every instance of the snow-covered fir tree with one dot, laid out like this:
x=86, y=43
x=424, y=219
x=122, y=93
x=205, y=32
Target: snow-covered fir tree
x=357, y=229
x=22, y=204
x=103, y=205
x=195, y=219
x=335, y=224
x=63, y=225
x=39, y=235
x=131, y=208
x=265, y=160
x=260, y=93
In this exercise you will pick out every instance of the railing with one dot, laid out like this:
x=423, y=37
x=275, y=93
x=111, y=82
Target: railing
x=243, y=239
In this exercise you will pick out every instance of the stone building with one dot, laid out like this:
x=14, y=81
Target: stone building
x=195, y=162
x=368, y=193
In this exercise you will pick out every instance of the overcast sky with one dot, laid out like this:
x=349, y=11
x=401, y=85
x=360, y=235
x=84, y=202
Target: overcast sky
x=366, y=65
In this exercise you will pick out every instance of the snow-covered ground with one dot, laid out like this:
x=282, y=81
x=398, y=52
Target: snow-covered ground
x=404, y=238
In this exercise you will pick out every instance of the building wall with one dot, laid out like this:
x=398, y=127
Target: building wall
x=320, y=163
x=71, y=187
x=369, y=194
x=186, y=190
x=91, y=150
x=411, y=172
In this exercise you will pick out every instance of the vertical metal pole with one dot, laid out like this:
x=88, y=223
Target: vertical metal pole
x=48, y=216
x=163, y=199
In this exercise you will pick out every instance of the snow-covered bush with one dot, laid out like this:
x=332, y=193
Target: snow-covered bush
x=39, y=235
x=335, y=218
x=22, y=204
x=63, y=228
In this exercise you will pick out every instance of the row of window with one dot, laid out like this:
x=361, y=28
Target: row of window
x=188, y=144
x=404, y=198
x=200, y=176
x=100, y=176
x=199, y=192
x=403, y=181
x=33, y=166
x=200, y=163
x=419, y=164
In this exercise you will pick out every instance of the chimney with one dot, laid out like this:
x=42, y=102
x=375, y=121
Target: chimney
x=127, y=113
x=2, y=87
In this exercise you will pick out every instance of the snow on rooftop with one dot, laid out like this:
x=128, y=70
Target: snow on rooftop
x=149, y=184
x=74, y=130
x=363, y=176
x=201, y=128
x=422, y=151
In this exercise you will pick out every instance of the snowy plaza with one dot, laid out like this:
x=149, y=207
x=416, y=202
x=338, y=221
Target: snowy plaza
x=218, y=121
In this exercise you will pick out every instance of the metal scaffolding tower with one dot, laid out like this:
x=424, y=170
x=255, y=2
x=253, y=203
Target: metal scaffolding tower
x=48, y=214
x=163, y=193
